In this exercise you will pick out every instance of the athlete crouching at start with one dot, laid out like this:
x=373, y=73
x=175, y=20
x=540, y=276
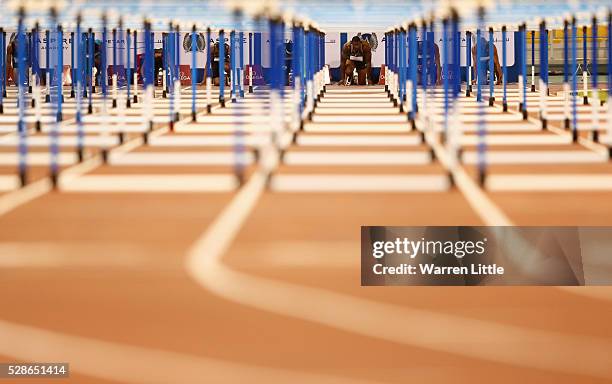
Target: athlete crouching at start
x=215, y=64
x=356, y=58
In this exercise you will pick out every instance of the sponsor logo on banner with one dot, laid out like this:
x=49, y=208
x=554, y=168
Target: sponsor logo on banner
x=258, y=78
x=185, y=74
x=371, y=38
x=200, y=42
x=121, y=75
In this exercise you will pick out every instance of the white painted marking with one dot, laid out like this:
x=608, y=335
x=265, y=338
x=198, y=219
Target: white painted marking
x=373, y=128
x=517, y=139
x=359, y=183
x=43, y=141
x=151, y=183
x=131, y=364
x=38, y=158
x=180, y=158
x=357, y=158
x=535, y=157
x=397, y=118
x=359, y=140
x=208, y=140
x=549, y=182
x=8, y=183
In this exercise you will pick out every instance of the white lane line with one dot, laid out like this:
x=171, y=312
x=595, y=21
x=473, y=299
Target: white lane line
x=223, y=128
x=54, y=255
x=359, y=183
x=396, y=118
x=180, y=158
x=234, y=119
x=357, y=158
x=132, y=364
x=100, y=128
x=350, y=107
x=44, y=141
x=14, y=199
x=549, y=182
x=151, y=183
x=359, y=140
x=488, y=118
x=8, y=182
x=518, y=139
x=535, y=157
x=490, y=341
x=377, y=111
x=207, y=141
x=28, y=119
x=88, y=119
x=38, y=158
x=373, y=128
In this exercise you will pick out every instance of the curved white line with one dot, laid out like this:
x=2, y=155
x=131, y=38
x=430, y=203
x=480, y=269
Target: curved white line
x=126, y=363
x=479, y=339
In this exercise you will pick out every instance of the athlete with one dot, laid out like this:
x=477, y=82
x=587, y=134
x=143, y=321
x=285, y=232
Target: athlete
x=11, y=57
x=484, y=60
x=434, y=69
x=356, y=56
x=215, y=64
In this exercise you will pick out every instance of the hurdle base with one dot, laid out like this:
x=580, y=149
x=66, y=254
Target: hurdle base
x=533, y=88
x=104, y=154
x=54, y=180
x=29, y=89
x=412, y=122
x=240, y=178
x=505, y=107
x=491, y=101
x=585, y=100
x=114, y=103
x=23, y=178
x=33, y=103
x=135, y=99
x=595, y=136
x=482, y=178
